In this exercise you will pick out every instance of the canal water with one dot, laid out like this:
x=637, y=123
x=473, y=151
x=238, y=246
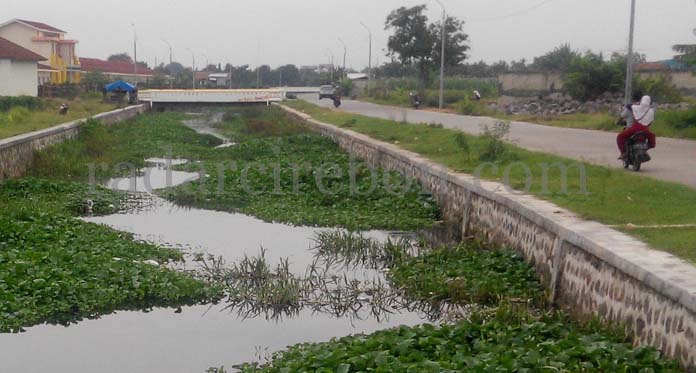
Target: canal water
x=196, y=338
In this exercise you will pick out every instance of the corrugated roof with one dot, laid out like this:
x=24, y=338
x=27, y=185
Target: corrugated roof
x=12, y=51
x=41, y=26
x=665, y=65
x=116, y=67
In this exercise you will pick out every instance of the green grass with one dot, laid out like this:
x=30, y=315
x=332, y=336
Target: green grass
x=615, y=197
x=673, y=124
x=47, y=116
x=55, y=268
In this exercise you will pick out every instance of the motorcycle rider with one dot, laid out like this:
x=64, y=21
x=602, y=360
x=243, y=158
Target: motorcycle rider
x=415, y=99
x=639, y=118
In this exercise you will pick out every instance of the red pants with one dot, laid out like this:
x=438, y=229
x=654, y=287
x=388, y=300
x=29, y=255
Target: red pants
x=628, y=132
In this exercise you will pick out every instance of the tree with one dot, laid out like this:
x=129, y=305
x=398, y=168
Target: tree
x=687, y=53
x=120, y=57
x=412, y=42
x=415, y=43
x=560, y=59
x=519, y=66
x=265, y=76
x=455, y=42
x=291, y=75
x=174, y=68
x=95, y=80
x=590, y=76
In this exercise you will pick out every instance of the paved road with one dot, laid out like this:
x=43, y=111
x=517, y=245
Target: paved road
x=673, y=160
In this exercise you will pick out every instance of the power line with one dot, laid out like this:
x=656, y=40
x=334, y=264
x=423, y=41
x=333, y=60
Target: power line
x=510, y=15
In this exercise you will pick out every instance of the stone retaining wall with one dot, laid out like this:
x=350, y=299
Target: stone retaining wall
x=17, y=152
x=589, y=269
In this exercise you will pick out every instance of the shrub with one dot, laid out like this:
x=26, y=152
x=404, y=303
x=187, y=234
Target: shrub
x=660, y=88
x=93, y=134
x=463, y=144
x=679, y=119
x=18, y=114
x=27, y=102
x=494, y=146
x=591, y=76
x=476, y=108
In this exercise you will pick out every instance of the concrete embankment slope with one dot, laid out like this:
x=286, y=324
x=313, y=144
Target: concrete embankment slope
x=589, y=269
x=17, y=152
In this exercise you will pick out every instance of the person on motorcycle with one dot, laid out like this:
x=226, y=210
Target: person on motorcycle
x=638, y=119
x=415, y=99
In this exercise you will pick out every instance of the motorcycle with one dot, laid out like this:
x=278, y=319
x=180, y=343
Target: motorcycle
x=636, y=151
x=415, y=101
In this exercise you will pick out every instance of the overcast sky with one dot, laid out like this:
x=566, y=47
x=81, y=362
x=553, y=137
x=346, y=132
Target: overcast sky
x=305, y=32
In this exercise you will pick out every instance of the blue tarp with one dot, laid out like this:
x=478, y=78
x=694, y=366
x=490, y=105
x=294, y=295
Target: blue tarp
x=120, y=86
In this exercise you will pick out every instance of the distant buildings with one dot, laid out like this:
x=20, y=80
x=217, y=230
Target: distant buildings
x=117, y=70
x=18, y=69
x=60, y=63
x=206, y=79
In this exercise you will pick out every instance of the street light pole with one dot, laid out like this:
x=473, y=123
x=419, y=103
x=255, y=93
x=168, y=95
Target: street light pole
x=369, y=64
x=135, y=51
x=442, y=55
x=171, y=81
x=345, y=51
x=629, y=58
x=193, y=68
x=170, y=50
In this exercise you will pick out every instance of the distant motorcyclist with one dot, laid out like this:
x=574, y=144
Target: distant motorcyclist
x=477, y=95
x=415, y=100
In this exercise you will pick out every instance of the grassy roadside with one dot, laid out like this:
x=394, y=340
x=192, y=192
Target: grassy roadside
x=614, y=197
x=19, y=120
x=681, y=125
x=674, y=124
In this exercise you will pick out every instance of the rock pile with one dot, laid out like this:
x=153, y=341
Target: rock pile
x=563, y=105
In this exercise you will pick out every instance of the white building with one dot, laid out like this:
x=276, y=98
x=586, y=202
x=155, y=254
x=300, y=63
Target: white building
x=18, y=70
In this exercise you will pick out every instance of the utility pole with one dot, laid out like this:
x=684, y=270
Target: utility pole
x=369, y=64
x=193, y=68
x=135, y=51
x=280, y=83
x=171, y=81
x=230, y=77
x=345, y=51
x=332, y=69
x=629, y=58
x=170, y=50
x=442, y=55
x=207, y=61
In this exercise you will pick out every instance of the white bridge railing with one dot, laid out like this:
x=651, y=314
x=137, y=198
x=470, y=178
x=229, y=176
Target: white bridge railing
x=212, y=95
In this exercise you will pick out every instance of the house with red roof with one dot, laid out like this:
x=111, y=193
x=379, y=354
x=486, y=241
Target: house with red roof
x=117, y=70
x=58, y=52
x=18, y=69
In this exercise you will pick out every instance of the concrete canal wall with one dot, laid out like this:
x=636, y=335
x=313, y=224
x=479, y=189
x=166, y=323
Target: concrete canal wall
x=589, y=269
x=17, y=152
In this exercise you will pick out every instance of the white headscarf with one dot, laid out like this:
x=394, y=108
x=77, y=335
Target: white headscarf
x=644, y=113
